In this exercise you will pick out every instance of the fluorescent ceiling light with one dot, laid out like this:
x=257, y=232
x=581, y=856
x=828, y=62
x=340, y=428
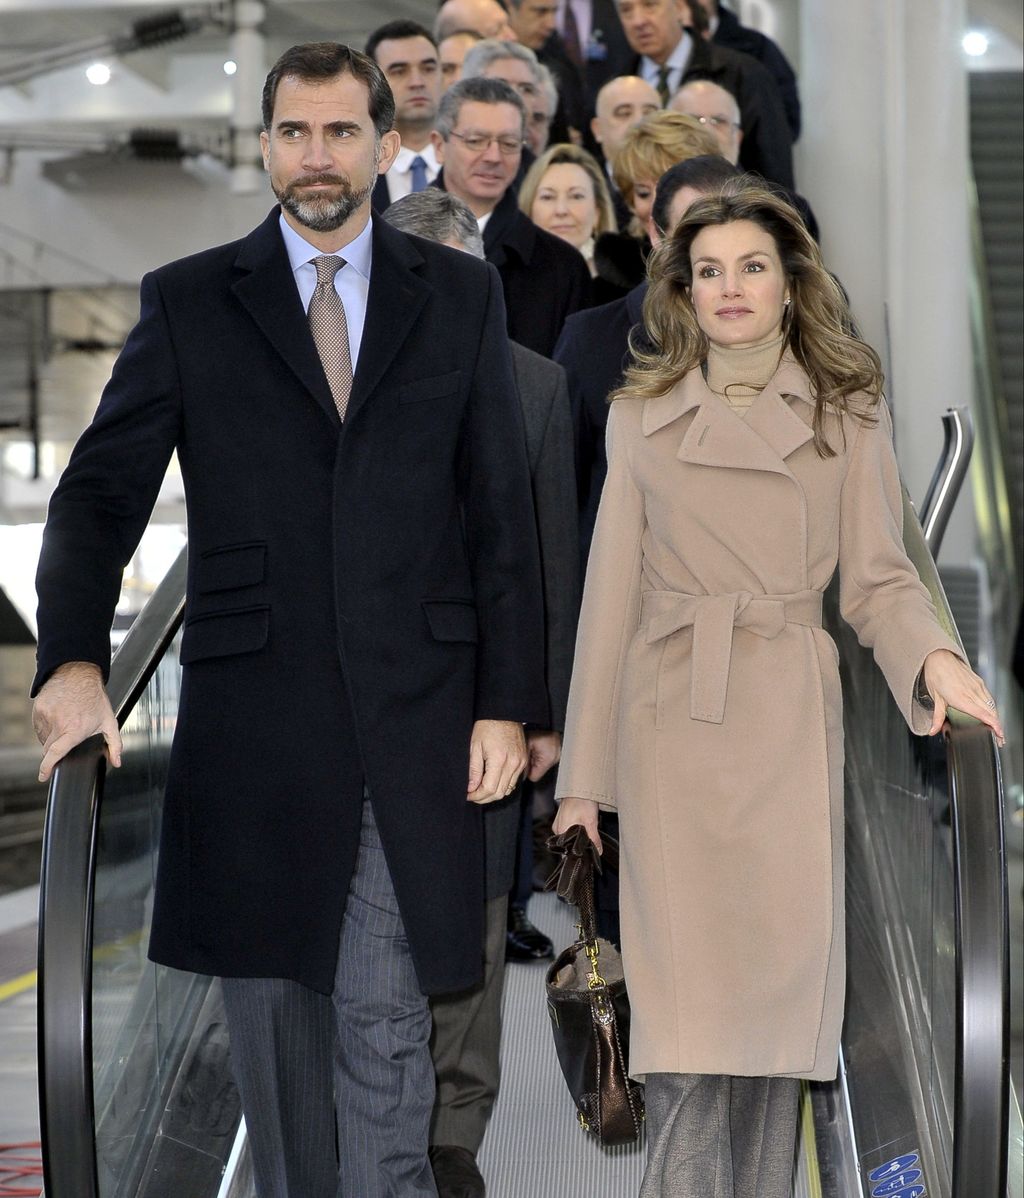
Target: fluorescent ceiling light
x=974, y=43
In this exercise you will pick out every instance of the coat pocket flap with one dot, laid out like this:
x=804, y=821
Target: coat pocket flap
x=432, y=388
x=224, y=633
x=233, y=566
x=451, y=619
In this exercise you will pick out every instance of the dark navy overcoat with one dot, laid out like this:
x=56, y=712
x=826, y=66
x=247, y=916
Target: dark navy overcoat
x=357, y=595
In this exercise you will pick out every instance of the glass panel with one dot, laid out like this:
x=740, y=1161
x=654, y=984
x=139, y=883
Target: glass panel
x=143, y=1014
x=900, y=1031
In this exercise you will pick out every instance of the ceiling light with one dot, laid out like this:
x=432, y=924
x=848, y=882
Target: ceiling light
x=98, y=73
x=230, y=67
x=974, y=43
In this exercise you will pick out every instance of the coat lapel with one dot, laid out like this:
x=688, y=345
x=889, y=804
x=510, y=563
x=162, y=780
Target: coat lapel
x=268, y=293
x=716, y=436
x=394, y=301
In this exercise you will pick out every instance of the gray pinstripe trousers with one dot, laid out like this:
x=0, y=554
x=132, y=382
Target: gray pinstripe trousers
x=353, y=1065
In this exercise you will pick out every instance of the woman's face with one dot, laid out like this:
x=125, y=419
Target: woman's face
x=643, y=200
x=739, y=286
x=564, y=203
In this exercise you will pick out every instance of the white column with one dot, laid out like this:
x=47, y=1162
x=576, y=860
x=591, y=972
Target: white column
x=883, y=161
x=248, y=45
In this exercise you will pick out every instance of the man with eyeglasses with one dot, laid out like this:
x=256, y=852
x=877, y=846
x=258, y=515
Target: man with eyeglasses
x=716, y=109
x=479, y=136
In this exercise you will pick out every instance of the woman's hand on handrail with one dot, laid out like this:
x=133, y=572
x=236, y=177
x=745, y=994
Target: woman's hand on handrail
x=951, y=683
x=577, y=811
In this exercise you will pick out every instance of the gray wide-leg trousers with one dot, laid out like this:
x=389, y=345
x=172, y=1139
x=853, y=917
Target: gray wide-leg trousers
x=337, y=1089
x=710, y=1136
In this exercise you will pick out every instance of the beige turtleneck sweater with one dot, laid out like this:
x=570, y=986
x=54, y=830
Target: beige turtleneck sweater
x=738, y=374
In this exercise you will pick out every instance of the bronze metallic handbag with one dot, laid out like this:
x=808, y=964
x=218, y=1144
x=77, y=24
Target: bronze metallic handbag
x=588, y=1004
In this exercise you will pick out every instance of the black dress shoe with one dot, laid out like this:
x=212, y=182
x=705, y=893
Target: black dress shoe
x=455, y=1172
x=523, y=941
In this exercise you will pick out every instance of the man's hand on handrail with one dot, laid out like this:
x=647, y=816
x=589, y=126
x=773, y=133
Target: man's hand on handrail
x=71, y=706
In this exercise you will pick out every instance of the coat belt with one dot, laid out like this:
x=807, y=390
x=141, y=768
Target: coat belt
x=713, y=617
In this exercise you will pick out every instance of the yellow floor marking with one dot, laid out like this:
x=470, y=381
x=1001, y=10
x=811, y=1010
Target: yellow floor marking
x=810, y=1144
x=17, y=985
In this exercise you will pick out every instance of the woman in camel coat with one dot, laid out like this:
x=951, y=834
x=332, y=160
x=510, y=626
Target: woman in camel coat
x=706, y=706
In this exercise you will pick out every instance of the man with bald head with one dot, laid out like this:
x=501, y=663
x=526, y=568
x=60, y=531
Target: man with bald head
x=486, y=17
x=716, y=109
x=621, y=104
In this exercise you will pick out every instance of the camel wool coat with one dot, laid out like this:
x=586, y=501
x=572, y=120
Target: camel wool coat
x=705, y=708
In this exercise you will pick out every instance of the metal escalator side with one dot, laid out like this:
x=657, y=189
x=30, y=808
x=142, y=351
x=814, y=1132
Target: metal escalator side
x=135, y=1094
x=925, y=1041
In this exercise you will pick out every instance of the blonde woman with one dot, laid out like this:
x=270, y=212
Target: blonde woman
x=750, y=455
x=566, y=193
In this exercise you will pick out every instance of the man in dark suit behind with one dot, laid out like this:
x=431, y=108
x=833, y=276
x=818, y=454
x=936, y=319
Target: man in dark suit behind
x=362, y=633
x=467, y=1026
x=481, y=127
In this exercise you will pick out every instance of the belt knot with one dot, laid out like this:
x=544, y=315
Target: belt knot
x=713, y=618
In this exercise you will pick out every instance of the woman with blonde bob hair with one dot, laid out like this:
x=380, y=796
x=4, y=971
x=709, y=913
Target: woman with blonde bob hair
x=750, y=455
x=565, y=192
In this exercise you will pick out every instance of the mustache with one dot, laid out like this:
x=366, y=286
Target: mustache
x=312, y=180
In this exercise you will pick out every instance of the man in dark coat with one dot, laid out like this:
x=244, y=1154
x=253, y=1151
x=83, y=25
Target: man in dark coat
x=592, y=39
x=467, y=1026
x=479, y=137
x=726, y=30
x=362, y=639
x=667, y=37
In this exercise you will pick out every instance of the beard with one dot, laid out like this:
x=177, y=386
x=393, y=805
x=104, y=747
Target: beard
x=323, y=212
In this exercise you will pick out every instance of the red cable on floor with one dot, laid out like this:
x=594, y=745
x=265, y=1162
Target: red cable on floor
x=18, y=1168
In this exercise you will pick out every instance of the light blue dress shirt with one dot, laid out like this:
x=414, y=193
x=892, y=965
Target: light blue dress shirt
x=352, y=282
x=676, y=64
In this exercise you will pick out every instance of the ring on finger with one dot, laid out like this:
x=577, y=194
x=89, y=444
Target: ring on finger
x=990, y=702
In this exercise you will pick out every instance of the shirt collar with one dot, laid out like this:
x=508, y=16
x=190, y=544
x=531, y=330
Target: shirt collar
x=357, y=253
x=403, y=160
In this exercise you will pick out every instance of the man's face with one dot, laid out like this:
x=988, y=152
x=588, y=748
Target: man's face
x=679, y=203
x=414, y=72
x=517, y=74
x=453, y=51
x=322, y=151
x=533, y=21
x=621, y=104
x=480, y=173
x=717, y=110
x=653, y=27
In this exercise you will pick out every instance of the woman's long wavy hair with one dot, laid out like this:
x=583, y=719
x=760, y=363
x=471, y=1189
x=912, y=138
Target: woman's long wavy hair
x=845, y=373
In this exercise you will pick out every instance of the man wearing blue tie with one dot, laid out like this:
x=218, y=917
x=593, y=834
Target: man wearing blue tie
x=408, y=56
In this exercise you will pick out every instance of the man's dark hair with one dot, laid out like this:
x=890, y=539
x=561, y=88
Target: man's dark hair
x=316, y=62
x=705, y=173
x=396, y=31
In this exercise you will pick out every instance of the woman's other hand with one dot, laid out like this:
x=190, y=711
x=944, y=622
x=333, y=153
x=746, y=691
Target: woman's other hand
x=577, y=811
x=953, y=684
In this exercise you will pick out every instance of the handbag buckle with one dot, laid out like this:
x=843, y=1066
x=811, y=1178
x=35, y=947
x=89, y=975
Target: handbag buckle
x=594, y=979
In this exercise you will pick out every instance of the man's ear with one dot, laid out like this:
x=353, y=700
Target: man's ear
x=265, y=149
x=595, y=124
x=390, y=144
x=437, y=141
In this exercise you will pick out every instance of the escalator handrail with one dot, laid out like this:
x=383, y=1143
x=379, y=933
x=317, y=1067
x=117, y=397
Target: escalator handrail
x=982, y=926
x=66, y=891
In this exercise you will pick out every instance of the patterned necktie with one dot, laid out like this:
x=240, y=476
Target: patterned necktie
x=330, y=330
x=663, y=88
x=418, y=169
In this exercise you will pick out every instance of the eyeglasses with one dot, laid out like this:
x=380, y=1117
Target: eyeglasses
x=716, y=122
x=476, y=143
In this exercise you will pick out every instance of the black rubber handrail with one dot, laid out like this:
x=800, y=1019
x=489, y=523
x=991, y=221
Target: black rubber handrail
x=66, y=889
x=981, y=1096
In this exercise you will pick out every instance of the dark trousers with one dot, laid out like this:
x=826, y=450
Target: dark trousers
x=710, y=1136
x=466, y=1043
x=337, y=1089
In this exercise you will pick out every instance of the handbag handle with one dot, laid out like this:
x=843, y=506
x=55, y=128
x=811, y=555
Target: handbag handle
x=573, y=880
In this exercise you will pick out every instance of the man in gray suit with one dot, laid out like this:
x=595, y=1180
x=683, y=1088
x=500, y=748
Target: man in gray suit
x=467, y=1026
